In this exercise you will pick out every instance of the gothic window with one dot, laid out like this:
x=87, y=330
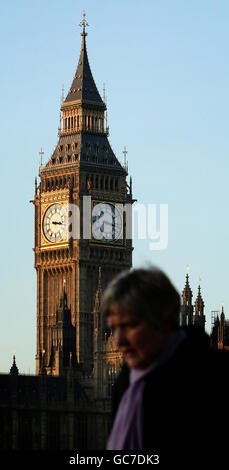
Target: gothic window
x=116, y=184
x=72, y=122
x=66, y=124
x=106, y=184
x=96, y=182
x=111, y=184
x=78, y=121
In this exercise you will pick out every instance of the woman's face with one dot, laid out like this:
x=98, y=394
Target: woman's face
x=136, y=338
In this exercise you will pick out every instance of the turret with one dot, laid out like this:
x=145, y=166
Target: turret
x=199, y=317
x=186, y=305
x=14, y=369
x=63, y=340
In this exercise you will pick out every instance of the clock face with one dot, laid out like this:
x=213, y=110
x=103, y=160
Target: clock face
x=106, y=222
x=55, y=223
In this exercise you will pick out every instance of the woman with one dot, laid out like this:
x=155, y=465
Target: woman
x=157, y=400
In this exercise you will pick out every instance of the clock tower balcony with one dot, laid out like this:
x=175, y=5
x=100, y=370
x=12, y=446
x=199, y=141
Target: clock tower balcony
x=85, y=129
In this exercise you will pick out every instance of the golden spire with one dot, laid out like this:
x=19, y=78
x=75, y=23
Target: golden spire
x=83, y=24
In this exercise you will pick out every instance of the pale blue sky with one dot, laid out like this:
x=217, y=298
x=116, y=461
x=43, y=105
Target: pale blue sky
x=166, y=69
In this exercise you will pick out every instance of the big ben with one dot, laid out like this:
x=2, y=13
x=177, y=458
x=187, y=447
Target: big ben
x=83, y=176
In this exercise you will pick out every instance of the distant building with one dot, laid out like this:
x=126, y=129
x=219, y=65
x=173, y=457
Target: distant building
x=192, y=315
x=48, y=413
x=220, y=330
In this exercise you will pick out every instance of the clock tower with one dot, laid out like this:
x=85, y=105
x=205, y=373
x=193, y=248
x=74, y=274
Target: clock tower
x=83, y=181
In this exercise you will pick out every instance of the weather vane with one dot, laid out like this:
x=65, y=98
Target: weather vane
x=125, y=152
x=41, y=153
x=83, y=24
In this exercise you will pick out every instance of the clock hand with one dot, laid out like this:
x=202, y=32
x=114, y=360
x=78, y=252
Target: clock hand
x=111, y=223
x=56, y=223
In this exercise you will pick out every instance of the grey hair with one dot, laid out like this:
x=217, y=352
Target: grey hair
x=146, y=293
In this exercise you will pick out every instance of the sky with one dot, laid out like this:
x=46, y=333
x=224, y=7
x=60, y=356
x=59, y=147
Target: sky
x=165, y=66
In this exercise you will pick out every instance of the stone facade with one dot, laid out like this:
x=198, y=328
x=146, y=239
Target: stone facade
x=50, y=413
x=82, y=167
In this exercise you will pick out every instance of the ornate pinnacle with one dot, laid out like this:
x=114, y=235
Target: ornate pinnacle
x=83, y=24
x=187, y=271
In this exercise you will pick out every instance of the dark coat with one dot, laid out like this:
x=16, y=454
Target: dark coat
x=185, y=409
